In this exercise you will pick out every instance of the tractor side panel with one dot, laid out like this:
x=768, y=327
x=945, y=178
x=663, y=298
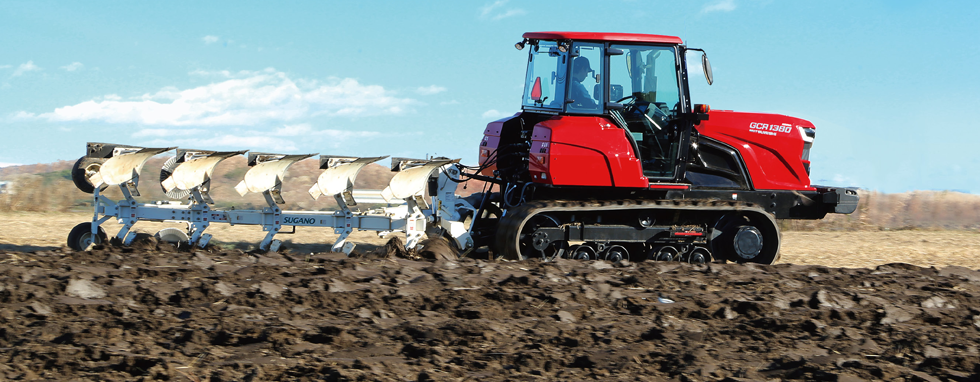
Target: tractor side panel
x=771, y=146
x=583, y=151
x=489, y=144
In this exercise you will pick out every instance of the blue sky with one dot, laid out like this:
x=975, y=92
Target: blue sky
x=892, y=86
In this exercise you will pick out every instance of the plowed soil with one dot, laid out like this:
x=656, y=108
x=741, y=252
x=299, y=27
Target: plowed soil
x=150, y=312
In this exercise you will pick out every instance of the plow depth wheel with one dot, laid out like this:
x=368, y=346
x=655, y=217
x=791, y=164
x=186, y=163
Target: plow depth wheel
x=81, y=236
x=172, y=235
x=78, y=177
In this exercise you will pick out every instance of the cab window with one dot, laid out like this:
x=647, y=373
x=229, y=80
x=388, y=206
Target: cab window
x=544, y=86
x=645, y=74
x=585, y=88
x=644, y=80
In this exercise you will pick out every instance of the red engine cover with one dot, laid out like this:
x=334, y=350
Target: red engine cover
x=771, y=146
x=574, y=151
x=583, y=151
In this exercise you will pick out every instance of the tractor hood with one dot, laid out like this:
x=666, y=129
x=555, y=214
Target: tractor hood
x=774, y=147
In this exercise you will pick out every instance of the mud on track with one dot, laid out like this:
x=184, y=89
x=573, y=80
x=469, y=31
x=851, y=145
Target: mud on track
x=150, y=313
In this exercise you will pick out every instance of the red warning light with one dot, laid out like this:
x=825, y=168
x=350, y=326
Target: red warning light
x=536, y=90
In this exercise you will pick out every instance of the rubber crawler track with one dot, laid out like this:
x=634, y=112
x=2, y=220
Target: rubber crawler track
x=509, y=229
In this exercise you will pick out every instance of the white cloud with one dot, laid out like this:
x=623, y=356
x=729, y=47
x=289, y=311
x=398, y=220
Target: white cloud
x=719, y=6
x=694, y=66
x=430, y=90
x=168, y=133
x=232, y=142
x=492, y=114
x=509, y=13
x=344, y=134
x=293, y=130
x=248, y=98
x=22, y=115
x=495, y=11
x=305, y=130
x=73, y=66
x=288, y=138
x=25, y=67
x=214, y=73
x=486, y=9
x=5, y=164
x=209, y=39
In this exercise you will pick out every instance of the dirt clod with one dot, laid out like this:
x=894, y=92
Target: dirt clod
x=123, y=314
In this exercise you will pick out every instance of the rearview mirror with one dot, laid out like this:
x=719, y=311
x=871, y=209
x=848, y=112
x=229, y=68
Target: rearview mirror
x=707, y=68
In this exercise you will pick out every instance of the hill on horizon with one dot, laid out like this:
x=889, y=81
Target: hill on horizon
x=48, y=187
x=46, y=182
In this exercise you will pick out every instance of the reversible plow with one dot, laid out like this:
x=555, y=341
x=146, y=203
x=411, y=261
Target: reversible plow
x=419, y=199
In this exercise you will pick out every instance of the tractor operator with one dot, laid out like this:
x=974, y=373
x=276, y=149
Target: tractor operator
x=578, y=94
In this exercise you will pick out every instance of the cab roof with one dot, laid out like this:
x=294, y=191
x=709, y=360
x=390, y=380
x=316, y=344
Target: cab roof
x=600, y=36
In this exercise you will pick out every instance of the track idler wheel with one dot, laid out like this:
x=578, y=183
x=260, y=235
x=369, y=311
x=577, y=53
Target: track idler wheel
x=748, y=239
x=747, y=242
x=81, y=236
x=532, y=243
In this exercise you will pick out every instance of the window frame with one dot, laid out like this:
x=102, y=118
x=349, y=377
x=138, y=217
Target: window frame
x=680, y=75
x=562, y=68
x=603, y=61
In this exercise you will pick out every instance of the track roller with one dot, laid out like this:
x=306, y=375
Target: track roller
x=699, y=255
x=582, y=252
x=616, y=253
x=663, y=253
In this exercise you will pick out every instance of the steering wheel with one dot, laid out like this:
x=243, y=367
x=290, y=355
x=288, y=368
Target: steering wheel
x=651, y=125
x=658, y=122
x=631, y=97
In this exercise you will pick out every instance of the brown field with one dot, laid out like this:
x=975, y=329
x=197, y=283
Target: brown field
x=838, y=306
x=21, y=231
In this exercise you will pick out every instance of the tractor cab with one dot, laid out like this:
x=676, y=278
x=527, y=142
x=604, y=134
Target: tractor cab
x=638, y=81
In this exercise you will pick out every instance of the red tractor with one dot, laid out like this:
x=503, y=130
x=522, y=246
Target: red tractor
x=609, y=159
